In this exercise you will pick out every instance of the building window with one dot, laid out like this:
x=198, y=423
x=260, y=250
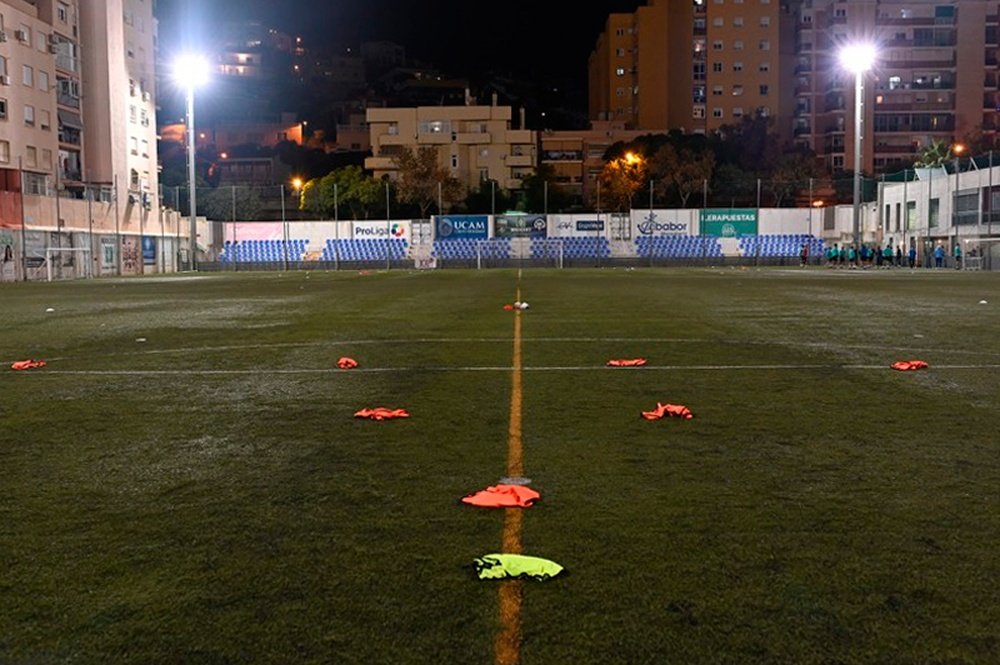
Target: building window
x=838, y=161
x=764, y=90
x=738, y=45
x=46, y=158
x=737, y=90
x=31, y=156
x=620, y=52
x=737, y=66
x=765, y=45
x=132, y=114
x=698, y=112
x=718, y=22
x=454, y=161
x=133, y=179
x=620, y=71
x=29, y=115
x=717, y=91
x=716, y=112
x=3, y=109
x=764, y=67
x=717, y=45
x=62, y=12
x=737, y=111
x=738, y=21
x=4, y=152
x=43, y=81
x=133, y=144
x=765, y=21
x=45, y=119
x=27, y=76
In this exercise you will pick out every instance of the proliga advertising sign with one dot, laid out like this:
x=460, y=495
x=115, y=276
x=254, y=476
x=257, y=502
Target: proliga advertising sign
x=380, y=230
x=729, y=223
x=454, y=227
x=520, y=226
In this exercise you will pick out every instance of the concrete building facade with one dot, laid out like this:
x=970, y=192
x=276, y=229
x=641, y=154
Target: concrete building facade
x=475, y=143
x=695, y=66
x=935, y=77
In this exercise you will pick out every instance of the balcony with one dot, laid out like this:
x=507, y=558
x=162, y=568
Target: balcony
x=518, y=160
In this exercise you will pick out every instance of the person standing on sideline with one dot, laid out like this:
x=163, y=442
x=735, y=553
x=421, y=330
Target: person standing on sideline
x=911, y=255
x=887, y=255
x=939, y=255
x=958, y=255
x=899, y=256
x=804, y=254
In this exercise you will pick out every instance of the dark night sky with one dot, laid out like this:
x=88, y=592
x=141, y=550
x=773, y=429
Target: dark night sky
x=540, y=38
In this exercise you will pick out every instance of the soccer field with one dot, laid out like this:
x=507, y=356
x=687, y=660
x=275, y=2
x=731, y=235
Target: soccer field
x=206, y=495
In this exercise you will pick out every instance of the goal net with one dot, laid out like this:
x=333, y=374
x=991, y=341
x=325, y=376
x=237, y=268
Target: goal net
x=68, y=263
x=980, y=253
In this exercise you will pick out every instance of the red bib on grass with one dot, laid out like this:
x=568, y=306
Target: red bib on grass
x=628, y=362
x=347, y=363
x=672, y=410
x=381, y=413
x=27, y=364
x=508, y=307
x=503, y=496
x=909, y=365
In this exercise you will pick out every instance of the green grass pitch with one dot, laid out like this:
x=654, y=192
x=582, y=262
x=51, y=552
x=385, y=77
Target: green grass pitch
x=206, y=496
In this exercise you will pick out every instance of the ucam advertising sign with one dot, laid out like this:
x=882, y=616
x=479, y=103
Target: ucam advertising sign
x=380, y=230
x=455, y=227
x=729, y=222
x=520, y=226
x=661, y=223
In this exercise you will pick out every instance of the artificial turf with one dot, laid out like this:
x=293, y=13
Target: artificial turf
x=205, y=496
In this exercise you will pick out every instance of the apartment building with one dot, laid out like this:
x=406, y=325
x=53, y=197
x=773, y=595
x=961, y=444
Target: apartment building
x=577, y=156
x=695, y=65
x=119, y=107
x=76, y=94
x=476, y=143
x=935, y=77
x=39, y=93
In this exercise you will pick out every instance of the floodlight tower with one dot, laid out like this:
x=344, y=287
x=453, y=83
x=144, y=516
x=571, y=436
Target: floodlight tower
x=858, y=58
x=191, y=72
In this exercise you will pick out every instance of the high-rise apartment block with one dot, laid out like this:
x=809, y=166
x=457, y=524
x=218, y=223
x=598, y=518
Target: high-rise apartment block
x=695, y=65
x=77, y=105
x=935, y=77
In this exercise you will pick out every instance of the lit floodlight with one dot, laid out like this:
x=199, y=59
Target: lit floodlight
x=858, y=57
x=191, y=71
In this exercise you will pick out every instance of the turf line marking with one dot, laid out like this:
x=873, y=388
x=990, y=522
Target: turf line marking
x=389, y=370
x=507, y=647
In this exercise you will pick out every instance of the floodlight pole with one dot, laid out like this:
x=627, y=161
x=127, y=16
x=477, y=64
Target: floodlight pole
x=858, y=119
x=191, y=186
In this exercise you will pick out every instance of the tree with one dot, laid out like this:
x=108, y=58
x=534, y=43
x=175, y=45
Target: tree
x=541, y=191
x=227, y=203
x=621, y=178
x=791, y=174
x=346, y=187
x=937, y=153
x=487, y=196
x=684, y=170
x=734, y=183
x=422, y=181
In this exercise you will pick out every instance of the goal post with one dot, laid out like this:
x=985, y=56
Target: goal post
x=84, y=252
x=980, y=253
x=550, y=252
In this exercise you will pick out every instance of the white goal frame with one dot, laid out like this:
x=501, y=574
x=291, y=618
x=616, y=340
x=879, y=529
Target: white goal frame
x=85, y=251
x=554, y=249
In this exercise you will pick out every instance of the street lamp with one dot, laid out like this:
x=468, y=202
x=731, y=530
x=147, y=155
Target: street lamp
x=190, y=72
x=858, y=58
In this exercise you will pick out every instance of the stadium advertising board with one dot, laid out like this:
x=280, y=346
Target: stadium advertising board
x=380, y=230
x=569, y=226
x=520, y=226
x=462, y=227
x=729, y=222
x=660, y=223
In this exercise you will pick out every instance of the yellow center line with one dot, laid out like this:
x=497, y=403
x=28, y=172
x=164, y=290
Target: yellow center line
x=507, y=647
